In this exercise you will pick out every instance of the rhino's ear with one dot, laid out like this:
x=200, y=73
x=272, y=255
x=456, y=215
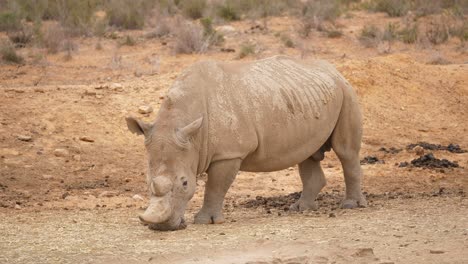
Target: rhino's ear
x=137, y=126
x=190, y=129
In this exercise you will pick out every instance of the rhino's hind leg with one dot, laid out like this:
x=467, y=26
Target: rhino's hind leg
x=313, y=180
x=346, y=142
x=221, y=174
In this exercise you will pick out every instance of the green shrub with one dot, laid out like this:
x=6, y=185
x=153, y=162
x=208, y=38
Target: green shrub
x=246, y=49
x=437, y=33
x=287, y=41
x=8, y=53
x=126, y=14
x=214, y=37
x=394, y=8
x=228, y=12
x=323, y=10
x=391, y=32
x=9, y=21
x=22, y=36
x=370, y=36
x=193, y=8
x=128, y=41
x=409, y=34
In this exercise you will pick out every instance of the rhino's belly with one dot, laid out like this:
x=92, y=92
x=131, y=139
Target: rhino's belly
x=284, y=143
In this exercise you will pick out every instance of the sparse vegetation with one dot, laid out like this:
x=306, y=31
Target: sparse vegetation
x=53, y=38
x=22, y=36
x=394, y=8
x=8, y=53
x=9, y=21
x=127, y=14
x=437, y=32
x=287, y=41
x=370, y=36
x=246, y=49
x=190, y=39
x=409, y=34
x=193, y=8
x=214, y=37
x=334, y=33
x=128, y=41
x=228, y=12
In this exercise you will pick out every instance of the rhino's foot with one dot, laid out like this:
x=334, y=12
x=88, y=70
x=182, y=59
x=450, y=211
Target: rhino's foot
x=352, y=203
x=207, y=218
x=302, y=205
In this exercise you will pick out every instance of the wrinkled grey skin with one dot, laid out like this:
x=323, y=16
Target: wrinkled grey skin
x=265, y=115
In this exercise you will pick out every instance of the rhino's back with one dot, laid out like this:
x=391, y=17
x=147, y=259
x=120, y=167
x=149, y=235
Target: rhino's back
x=272, y=112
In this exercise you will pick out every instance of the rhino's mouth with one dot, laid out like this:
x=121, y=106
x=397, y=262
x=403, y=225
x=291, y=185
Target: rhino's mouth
x=168, y=226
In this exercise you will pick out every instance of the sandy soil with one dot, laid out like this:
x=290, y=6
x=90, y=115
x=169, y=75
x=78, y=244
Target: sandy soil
x=52, y=205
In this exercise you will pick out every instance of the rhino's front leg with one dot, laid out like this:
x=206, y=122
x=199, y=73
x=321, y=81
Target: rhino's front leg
x=221, y=174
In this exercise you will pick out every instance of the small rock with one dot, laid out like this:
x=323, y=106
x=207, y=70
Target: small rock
x=436, y=251
x=116, y=87
x=47, y=177
x=108, y=194
x=77, y=157
x=128, y=180
x=86, y=139
x=137, y=197
x=90, y=93
x=61, y=152
x=332, y=215
x=222, y=234
x=65, y=195
x=145, y=109
x=39, y=90
x=24, y=138
x=419, y=150
x=101, y=86
x=17, y=207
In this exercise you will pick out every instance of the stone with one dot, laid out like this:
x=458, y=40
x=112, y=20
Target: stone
x=90, y=93
x=17, y=207
x=108, y=194
x=77, y=157
x=145, y=109
x=24, y=138
x=86, y=139
x=116, y=86
x=419, y=150
x=137, y=197
x=61, y=152
x=47, y=177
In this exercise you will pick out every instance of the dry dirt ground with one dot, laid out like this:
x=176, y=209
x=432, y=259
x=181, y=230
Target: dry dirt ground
x=53, y=210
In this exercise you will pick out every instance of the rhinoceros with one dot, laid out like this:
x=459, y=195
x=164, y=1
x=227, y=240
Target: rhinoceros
x=260, y=116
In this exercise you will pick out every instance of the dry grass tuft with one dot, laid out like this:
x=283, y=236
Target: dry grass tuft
x=246, y=49
x=190, y=39
x=8, y=53
x=370, y=36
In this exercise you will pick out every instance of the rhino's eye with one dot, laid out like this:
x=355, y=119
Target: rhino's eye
x=185, y=183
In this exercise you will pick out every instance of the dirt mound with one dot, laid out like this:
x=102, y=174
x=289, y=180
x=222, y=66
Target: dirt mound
x=429, y=161
x=454, y=148
x=372, y=160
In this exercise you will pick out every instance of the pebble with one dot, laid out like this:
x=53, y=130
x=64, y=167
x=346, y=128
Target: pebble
x=436, y=251
x=108, y=194
x=77, y=157
x=86, y=139
x=116, y=87
x=145, y=109
x=61, y=152
x=39, y=90
x=90, y=93
x=17, y=207
x=332, y=215
x=419, y=150
x=24, y=138
x=137, y=197
x=47, y=177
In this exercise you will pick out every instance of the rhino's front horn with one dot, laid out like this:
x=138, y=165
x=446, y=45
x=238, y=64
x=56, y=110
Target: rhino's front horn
x=158, y=211
x=160, y=186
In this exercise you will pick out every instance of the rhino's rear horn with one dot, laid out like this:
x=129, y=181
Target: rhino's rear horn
x=190, y=130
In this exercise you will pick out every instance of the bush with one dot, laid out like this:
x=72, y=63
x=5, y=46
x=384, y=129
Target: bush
x=129, y=41
x=287, y=41
x=228, y=12
x=126, y=14
x=9, y=21
x=390, y=33
x=334, y=33
x=323, y=10
x=21, y=37
x=190, y=39
x=370, y=36
x=53, y=38
x=409, y=34
x=8, y=53
x=394, y=8
x=437, y=32
x=193, y=8
x=246, y=49
x=210, y=33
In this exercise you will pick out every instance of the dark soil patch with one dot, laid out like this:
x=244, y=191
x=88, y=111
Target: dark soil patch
x=372, y=160
x=429, y=161
x=332, y=201
x=454, y=148
x=390, y=150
